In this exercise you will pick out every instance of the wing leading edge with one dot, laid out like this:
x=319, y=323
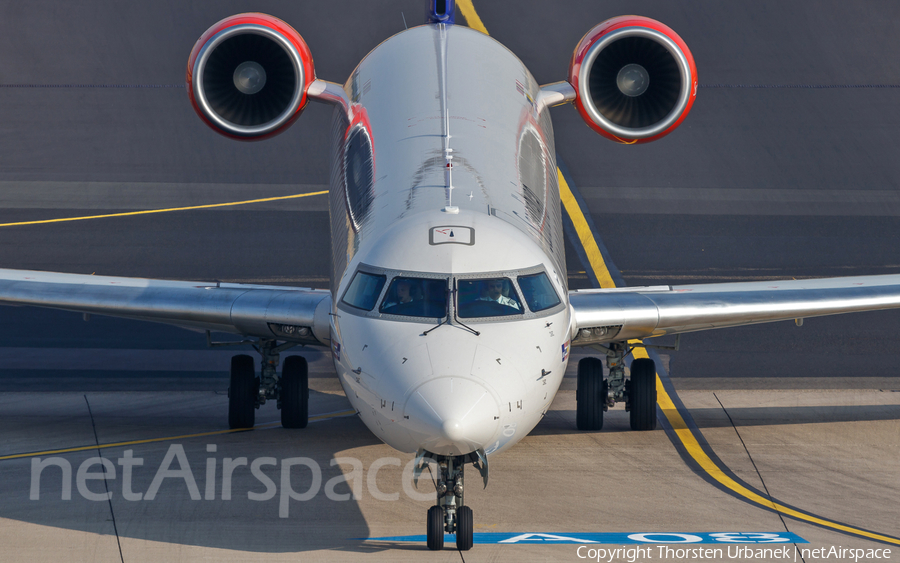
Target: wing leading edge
x=641, y=312
x=269, y=312
x=283, y=312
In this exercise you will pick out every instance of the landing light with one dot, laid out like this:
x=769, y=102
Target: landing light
x=292, y=332
x=591, y=335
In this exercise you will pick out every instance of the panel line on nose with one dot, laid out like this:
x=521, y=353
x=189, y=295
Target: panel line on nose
x=429, y=406
x=473, y=406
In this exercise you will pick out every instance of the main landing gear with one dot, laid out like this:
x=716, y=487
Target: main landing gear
x=247, y=391
x=595, y=395
x=450, y=514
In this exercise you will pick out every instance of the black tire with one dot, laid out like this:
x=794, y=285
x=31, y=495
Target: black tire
x=435, y=528
x=590, y=394
x=242, y=393
x=464, y=528
x=295, y=393
x=642, y=394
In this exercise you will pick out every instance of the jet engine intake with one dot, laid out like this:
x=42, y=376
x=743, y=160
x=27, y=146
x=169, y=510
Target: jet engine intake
x=248, y=75
x=635, y=79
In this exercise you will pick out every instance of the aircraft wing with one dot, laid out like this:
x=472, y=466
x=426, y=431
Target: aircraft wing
x=272, y=312
x=603, y=315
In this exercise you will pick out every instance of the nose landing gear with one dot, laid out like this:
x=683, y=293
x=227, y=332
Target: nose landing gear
x=450, y=515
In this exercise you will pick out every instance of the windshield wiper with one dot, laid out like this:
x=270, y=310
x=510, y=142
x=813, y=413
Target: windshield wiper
x=440, y=324
x=444, y=318
x=451, y=295
x=465, y=326
x=456, y=318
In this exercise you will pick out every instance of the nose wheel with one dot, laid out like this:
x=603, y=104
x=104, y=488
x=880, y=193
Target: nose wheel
x=450, y=515
x=452, y=518
x=435, y=528
x=464, y=525
x=464, y=528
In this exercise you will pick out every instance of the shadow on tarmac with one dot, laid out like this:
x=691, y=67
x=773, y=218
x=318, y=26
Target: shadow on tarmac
x=562, y=422
x=249, y=511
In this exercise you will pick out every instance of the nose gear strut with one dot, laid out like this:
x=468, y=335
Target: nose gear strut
x=450, y=514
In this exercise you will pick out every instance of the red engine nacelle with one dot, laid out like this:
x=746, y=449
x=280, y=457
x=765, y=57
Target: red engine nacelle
x=247, y=76
x=635, y=79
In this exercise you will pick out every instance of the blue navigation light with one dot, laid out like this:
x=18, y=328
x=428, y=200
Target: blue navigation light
x=441, y=11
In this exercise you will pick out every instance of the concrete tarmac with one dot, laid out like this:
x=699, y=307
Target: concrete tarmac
x=829, y=452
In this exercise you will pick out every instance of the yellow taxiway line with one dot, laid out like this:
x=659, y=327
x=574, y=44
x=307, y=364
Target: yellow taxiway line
x=315, y=418
x=149, y=211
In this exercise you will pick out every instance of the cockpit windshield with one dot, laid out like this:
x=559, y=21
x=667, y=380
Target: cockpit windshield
x=538, y=292
x=364, y=291
x=489, y=296
x=416, y=297
x=494, y=297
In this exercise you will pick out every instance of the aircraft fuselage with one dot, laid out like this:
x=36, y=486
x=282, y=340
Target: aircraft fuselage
x=435, y=107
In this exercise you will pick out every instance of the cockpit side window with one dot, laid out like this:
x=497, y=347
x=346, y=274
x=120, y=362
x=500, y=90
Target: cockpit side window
x=494, y=297
x=416, y=297
x=538, y=292
x=364, y=291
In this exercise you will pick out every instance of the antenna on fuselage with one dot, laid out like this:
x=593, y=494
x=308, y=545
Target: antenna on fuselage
x=448, y=180
x=445, y=112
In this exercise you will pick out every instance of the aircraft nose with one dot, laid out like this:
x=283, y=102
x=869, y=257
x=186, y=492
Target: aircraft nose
x=453, y=430
x=452, y=415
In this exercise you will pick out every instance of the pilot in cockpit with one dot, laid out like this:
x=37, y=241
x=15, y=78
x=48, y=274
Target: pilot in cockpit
x=403, y=293
x=495, y=291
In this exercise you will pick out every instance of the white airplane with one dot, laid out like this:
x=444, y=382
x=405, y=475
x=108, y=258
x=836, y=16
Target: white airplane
x=449, y=317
